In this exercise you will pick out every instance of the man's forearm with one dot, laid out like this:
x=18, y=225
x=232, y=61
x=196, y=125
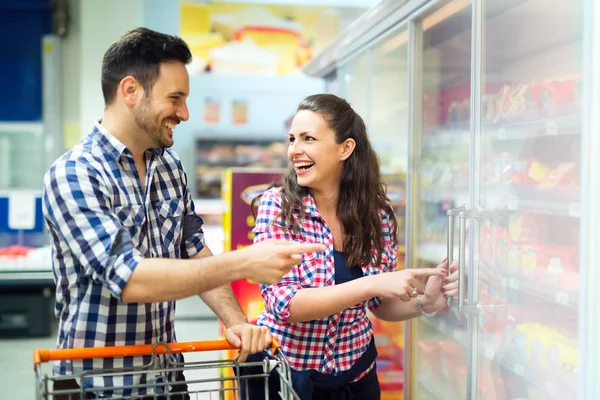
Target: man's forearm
x=221, y=300
x=224, y=304
x=160, y=279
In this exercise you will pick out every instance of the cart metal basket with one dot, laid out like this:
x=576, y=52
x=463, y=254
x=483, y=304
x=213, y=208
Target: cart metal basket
x=229, y=383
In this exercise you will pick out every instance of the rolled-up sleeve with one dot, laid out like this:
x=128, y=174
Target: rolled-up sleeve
x=80, y=217
x=390, y=258
x=277, y=297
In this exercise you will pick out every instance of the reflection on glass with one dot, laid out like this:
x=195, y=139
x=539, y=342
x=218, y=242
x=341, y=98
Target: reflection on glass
x=529, y=247
x=440, y=343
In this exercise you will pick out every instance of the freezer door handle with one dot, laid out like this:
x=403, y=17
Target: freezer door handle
x=463, y=214
x=462, y=244
x=450, y=243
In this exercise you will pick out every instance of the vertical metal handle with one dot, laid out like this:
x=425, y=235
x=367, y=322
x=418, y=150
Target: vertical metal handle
x=450, y=241
x=462, y=244
x=450, y=248
x=450, y=244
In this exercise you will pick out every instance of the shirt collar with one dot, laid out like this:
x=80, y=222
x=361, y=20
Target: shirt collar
x=113, y=146
x=310, y=207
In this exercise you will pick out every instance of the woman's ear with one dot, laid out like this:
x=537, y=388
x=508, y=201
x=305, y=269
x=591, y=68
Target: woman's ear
x=347, y=149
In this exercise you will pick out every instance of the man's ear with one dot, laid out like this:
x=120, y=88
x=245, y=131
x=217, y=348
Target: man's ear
x=130, y=89
x=347, y=149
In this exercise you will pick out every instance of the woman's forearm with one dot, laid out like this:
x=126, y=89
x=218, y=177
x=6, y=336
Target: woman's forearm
x=317, y=303
x=394, y=310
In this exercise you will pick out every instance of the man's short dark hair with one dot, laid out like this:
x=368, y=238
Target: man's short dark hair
x=139, y=53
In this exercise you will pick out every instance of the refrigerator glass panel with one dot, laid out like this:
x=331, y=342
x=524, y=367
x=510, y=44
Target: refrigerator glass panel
x=530, y=168
x=440, y=343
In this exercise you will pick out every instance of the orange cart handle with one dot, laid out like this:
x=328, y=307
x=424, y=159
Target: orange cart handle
x=45, y=355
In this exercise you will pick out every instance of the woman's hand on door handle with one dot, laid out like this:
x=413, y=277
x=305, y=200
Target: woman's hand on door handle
x=439, y=288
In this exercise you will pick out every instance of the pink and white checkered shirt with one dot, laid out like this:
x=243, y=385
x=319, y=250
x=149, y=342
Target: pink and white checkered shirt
x=333, y=344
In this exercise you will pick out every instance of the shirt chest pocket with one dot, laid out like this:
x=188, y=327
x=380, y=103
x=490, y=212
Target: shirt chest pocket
x=169, y=218
x=132, y=218
x=312, y=270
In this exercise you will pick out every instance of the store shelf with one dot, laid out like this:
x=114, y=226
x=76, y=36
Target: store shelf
x=447, y=137
x=541, y=128
x=537, y=288
x=562, y=201
x=436, y=195
x=26, y=277
x=555, y=385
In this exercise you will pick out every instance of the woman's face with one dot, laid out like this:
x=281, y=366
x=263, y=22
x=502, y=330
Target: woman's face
x=317, y=159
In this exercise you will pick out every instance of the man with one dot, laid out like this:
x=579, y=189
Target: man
x=126, y=240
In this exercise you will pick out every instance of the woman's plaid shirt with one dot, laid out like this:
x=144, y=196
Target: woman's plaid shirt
x=330, y=345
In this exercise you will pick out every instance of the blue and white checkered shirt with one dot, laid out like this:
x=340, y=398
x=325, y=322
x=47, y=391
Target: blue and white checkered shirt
x=101, y=225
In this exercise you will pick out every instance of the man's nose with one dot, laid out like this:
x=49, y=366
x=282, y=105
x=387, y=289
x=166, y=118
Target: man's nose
x=183, y=113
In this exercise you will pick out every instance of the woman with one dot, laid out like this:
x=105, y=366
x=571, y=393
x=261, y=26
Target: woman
x=334, y=194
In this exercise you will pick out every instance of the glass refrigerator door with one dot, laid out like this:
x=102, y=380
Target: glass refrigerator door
x=388, y=133
x=440, y=344
x=527, y=345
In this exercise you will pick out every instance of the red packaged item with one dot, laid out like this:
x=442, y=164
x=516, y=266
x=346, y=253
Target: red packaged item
x=501, y=103
x=533, y=260
x=561, y=96
x=523, y=103
x=15, y=251
x=566, y=174
x=527, y=172
x=528, y=228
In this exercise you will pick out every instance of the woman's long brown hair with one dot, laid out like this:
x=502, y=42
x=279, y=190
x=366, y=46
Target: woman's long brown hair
x=362, y=191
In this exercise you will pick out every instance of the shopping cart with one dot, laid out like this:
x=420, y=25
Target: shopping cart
x=227, y=384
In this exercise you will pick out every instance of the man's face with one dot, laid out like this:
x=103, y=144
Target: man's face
x=159, y=112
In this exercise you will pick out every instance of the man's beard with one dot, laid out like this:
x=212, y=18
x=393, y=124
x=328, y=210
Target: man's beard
x=147, y=122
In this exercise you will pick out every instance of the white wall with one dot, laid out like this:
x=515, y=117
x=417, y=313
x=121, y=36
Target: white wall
x=101, y=23
x=95, y=25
